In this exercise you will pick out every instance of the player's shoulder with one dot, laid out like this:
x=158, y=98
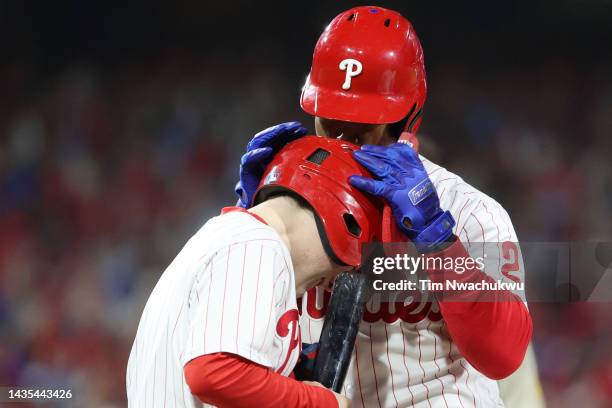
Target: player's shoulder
x=239, y=228
x=462, y=199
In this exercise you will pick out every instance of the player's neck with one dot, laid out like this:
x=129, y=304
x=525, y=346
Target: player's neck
x=297, y=228
x=289, y=219
x=273, y=213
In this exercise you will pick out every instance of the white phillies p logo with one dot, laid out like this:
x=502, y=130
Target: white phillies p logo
x=352, y=68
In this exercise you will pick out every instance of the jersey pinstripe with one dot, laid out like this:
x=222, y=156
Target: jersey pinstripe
x=230, y=289
x=404, y=355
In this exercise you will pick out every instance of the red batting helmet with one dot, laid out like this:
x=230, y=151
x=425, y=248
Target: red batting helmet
x=317, y=169
x=367, y=67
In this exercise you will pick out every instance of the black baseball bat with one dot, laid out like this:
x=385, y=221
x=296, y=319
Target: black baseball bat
x=350, y=293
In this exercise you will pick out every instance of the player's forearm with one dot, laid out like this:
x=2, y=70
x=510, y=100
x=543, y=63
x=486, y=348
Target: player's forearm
x=491, y=329
x=493, y=336
x=227, y=380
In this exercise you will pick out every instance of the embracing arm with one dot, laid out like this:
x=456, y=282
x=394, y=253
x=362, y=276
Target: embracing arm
x=492, y=329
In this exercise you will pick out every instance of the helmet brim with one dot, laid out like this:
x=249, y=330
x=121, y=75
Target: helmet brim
x=351, y=107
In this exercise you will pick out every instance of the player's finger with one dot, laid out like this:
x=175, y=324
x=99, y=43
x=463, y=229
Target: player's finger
x=370, y=148
x=256, y=157
x=266, y=136
x=390, y=154
x=314, y=384
x=287, y=137
x=380, y=166
x=375, y=164
x=397, y=159
x=407, y=152
x=391, y=158
x=394, y=153
x=368, y=185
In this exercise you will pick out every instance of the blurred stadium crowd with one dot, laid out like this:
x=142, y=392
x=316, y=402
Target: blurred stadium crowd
x=105, y=174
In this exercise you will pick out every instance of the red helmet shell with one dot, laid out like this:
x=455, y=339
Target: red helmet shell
x=318, y=169
x=367, y=67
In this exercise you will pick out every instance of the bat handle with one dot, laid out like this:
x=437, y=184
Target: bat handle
x=350, y=293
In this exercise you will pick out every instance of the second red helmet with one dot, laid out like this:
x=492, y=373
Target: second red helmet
x=367, y=67
x=317, y=169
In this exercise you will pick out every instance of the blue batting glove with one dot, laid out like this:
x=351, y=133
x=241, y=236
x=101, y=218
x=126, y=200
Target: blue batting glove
x=305, y=365
x=404, y=183
x=260, y=151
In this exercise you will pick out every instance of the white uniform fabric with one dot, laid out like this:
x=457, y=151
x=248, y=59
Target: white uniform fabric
x=403, y=355
x=230, y=289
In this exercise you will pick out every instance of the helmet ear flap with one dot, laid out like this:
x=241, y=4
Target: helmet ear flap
x=327, y=246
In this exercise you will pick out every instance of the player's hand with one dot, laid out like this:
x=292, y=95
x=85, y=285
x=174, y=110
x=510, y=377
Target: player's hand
x=403, y=181
x=343, y=402
x=305, y=364
x=259, y=153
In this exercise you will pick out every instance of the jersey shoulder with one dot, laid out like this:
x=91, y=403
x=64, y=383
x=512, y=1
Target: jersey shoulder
x=237, y=228
x=467, y=204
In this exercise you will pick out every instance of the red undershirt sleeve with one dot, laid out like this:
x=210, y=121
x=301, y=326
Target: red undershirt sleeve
x=228, y=380
x=492, y=329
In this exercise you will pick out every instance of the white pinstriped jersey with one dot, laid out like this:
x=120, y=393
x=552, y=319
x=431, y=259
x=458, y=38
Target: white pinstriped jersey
x=230, y=289
x=404, y=355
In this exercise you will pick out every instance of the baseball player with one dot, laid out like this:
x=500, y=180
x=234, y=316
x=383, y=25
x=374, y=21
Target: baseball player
x=367, y=85
x=221, y=326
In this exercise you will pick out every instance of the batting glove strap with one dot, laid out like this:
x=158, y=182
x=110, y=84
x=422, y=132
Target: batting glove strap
x=436, y=234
